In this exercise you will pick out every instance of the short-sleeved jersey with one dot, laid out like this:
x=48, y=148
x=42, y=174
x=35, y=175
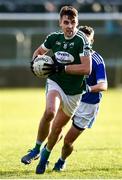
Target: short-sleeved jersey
x=97, y=75
x=67, y=51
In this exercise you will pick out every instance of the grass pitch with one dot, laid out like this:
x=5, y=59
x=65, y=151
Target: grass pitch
x=97, y=153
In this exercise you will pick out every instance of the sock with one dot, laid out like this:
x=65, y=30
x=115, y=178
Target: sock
x=38, y=145
x=45, y=155
x=62, y=159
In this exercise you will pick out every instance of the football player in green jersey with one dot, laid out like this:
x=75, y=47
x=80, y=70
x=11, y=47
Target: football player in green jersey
x=65, y=84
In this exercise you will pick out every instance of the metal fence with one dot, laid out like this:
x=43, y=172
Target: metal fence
x=21, y=33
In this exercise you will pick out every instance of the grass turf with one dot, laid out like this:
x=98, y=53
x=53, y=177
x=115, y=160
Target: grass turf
x=97, y=153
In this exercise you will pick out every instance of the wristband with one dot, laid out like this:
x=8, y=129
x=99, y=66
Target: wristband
x=86, y=50
x=65, y=68
x=89, y=89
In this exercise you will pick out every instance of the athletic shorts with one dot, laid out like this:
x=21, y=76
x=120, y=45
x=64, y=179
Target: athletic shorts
x=69, y=103
x=85, y=115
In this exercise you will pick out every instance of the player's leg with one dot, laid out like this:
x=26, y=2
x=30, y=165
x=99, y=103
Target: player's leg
x=69, y=139
x=60, y=120
x=67, y=108
x=52, y=104
x=72, y=134
x=82, y=119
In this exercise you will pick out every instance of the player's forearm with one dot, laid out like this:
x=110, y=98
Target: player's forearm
x=80, y=69
x=77, y=69
x=99, y=87
x=38, y=51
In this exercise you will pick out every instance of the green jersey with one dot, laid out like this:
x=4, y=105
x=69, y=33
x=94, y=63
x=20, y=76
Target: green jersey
x=67, y=51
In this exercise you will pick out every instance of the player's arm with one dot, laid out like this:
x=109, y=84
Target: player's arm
x=101, y=77
x=39, y=51
x=101, y=86
x=84, y=68
x=45, y=46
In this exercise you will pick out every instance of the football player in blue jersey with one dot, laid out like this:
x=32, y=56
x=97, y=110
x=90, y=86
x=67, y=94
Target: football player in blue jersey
x=89, y=105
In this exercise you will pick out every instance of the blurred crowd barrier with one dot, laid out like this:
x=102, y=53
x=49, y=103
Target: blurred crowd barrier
x=21, y=34
x=85, y=6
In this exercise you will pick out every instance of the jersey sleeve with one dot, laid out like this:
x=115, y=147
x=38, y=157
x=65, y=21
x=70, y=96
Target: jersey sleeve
x=85, y=48
x=49, y=41
x=101, y=73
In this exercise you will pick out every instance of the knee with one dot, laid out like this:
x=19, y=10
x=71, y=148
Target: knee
x=49, y=114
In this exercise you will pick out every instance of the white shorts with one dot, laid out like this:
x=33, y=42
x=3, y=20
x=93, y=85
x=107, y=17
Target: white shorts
x=85, y=115
x=69, y=103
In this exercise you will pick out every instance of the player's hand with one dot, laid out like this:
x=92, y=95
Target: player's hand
x=88, y=88
x=48, y=68
x=55, y=68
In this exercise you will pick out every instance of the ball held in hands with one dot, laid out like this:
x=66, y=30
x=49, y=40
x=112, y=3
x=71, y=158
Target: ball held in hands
x=39, y=66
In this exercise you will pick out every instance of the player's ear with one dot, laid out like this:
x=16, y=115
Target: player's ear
x=92, y=41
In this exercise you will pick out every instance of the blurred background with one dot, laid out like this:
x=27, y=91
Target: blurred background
x=24, y=25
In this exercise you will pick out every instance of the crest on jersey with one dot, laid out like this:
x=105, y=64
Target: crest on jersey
x=71, y=45
x=65, y=46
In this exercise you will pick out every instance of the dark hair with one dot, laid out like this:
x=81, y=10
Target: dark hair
x=86, y=29
x=69, y=11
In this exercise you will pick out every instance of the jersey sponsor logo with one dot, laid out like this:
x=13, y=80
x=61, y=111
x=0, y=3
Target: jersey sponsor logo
x=64, y=57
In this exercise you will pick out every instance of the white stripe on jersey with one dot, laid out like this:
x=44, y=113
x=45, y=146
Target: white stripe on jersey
x=57, y=32
x=102, y=80
x=83, y=37
x=97, y=58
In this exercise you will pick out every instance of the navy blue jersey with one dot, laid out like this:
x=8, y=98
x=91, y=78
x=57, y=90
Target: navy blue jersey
x=97, y=75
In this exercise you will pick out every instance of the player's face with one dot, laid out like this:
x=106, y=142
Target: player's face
x=68, y=25
x=90, y=38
